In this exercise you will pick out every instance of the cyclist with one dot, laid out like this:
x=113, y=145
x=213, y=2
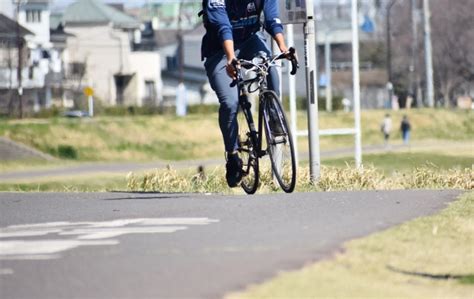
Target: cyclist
x=233, y=30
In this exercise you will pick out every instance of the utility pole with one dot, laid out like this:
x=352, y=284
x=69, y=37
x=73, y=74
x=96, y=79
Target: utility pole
x=327, y=58
x=389, y=52
x=414, y=50
x=312, y=92
x=180, y=44
x=428, y=54
x=181, y=90
x=20, y=58
x=356, y=83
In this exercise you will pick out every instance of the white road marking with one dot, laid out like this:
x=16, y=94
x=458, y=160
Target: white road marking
x=26, y=233
x=6, y=271
x=45, y=247
x=89, y=234
x=62, y=235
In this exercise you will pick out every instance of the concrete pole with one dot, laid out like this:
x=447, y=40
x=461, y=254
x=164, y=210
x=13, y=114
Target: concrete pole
x=20, y=46
x=292, y=94
x=356, y=83
x=428, y=54
x=414, y=50
x=327, y=56
x=312, y=92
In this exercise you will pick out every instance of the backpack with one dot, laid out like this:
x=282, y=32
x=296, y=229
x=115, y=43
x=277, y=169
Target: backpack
x=202, y=12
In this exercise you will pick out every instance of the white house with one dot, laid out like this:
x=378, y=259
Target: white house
x=102, y=45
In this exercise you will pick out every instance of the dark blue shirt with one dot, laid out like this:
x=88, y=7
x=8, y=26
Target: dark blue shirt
x=237, y=20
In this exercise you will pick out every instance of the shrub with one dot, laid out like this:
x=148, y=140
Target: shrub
x=67, y=152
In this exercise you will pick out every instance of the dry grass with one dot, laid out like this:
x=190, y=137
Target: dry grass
x=142, y=138
x=332, y=179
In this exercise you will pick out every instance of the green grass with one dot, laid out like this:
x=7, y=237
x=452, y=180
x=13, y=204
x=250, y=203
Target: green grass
x=401, y=162
x=395, y=263
x=164, y=137
x=96, y=183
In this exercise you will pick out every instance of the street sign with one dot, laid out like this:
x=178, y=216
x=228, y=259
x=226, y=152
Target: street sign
x=292, y=11
x=88, y=91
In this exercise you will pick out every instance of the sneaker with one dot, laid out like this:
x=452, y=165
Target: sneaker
x=233, y=170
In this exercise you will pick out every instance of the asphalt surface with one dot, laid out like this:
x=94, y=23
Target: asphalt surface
x=132, y=245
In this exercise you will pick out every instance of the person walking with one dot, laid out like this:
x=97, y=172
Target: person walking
x=386, y=128
x=233, y=31
x=405, y=128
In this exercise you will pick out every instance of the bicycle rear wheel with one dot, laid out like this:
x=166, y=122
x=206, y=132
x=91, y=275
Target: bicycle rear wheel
x=248, y=155
x=279, y=141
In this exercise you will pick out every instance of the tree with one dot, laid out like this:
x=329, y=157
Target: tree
x=452, y=27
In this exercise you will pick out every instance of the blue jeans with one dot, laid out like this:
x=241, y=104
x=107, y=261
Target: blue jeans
x=228, y=96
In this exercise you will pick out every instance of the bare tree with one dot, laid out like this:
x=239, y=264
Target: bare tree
x=453, y=43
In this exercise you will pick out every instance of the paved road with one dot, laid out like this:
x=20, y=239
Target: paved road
x=132, y=245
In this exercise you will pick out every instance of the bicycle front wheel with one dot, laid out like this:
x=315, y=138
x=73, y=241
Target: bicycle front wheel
x=248, y=155
x=279, y=141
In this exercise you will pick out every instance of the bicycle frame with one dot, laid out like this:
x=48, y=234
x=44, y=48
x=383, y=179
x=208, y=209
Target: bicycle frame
x=244, y=86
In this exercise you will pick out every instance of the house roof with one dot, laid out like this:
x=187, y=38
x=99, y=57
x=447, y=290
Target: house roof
x=94, y=11
x=55, y=19
x=38, y=1
x=8, y=28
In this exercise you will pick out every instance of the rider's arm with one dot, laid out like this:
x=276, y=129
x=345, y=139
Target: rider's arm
x=273, y=23
x=228, y=46
x=280, y=40
x=218, y=18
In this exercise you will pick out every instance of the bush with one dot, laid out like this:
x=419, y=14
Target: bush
x=67, y=152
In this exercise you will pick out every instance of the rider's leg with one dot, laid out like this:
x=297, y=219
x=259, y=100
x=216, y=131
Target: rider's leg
x=229, y=105
x=228, y=99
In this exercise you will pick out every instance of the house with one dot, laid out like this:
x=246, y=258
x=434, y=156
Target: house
x=14, y=40
x=102, y=53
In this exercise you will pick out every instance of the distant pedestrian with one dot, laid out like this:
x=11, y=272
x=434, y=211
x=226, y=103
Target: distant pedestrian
x=405, y=127
x=386, y=128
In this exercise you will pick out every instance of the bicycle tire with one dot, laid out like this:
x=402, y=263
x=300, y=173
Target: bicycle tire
x=279, y=145
x=247, y=152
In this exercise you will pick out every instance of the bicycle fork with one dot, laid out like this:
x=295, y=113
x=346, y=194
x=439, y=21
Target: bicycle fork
x=254, y=136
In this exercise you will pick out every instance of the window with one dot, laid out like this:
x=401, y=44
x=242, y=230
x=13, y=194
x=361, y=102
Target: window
x=33, y=16
x=150, y=90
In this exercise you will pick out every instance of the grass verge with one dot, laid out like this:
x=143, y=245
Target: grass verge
x=411, y=170
x=96, y=183
x=430, y=257
x=164, y=137
x=332, y=179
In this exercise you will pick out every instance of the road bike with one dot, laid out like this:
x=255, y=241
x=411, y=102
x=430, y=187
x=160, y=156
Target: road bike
x=271, y=120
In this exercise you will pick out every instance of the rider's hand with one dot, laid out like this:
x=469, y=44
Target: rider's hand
x=289, y=55
x=231, y=69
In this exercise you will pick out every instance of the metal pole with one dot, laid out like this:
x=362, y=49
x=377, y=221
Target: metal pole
x=428, y=54
x=389, y=53
x=327, y=55
x=20, y=59
x=414, y=50
x=292, y=95
x=180, y=44
x=356, y=83
x=312, y=92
